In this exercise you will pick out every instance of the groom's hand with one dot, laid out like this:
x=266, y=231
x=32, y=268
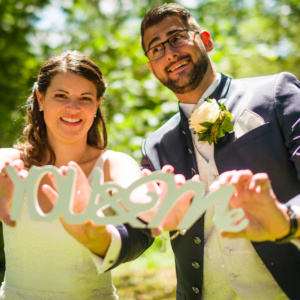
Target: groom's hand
x=268, y=219
x=177, y=213
x=97, y=238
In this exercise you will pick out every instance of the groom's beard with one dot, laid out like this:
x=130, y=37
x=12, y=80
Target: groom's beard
x=190, y=81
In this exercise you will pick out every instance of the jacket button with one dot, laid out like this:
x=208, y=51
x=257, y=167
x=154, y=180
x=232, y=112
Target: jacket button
x=193, y=171
x=195, y=265
x=197, y=240
x=190, y=152
x=183, y=131
x=195, y=290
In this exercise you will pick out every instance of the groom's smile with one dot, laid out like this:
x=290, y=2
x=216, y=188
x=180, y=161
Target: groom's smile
x=176, y=67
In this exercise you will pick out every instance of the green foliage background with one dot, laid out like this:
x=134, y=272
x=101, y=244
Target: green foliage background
x=252, y=38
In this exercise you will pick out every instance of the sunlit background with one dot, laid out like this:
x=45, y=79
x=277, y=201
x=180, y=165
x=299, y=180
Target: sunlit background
x=252, y=38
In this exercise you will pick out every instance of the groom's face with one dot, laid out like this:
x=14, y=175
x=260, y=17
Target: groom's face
x=180, y=69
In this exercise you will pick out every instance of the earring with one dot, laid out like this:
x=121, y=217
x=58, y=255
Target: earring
x=95, y=115
x=41, y=108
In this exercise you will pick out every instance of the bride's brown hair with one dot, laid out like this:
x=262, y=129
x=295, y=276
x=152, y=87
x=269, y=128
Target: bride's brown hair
x=35, y=144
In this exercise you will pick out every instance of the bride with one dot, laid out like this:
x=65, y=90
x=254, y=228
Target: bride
x=63, y=116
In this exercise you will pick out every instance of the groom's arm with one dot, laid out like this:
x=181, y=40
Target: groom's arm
x=287, y=106
x=134, y=243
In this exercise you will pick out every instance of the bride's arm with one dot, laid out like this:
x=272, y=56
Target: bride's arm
x=8, y=156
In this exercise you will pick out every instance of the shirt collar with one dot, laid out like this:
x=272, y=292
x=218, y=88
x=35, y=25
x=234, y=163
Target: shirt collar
x=188, y=108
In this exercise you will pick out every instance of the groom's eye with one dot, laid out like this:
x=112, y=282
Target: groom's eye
x=157, y=49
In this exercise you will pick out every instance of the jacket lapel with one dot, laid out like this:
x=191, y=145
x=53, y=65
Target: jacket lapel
x=223, y=143
x=187, y=132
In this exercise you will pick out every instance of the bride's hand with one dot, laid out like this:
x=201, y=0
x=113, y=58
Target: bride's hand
x=7, y=189
x=177, y=213
x=97, y=238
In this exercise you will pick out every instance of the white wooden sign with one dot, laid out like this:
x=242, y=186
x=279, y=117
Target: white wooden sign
x=66, y=191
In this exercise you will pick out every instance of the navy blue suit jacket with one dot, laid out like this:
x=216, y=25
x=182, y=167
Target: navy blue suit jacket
x=273, y=148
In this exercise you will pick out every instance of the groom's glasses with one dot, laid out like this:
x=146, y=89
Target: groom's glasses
x=178, y=39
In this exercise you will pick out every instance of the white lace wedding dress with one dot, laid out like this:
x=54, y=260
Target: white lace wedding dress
x=44, y=262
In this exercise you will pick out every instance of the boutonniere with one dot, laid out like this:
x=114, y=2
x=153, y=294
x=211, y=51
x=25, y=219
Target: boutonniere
x=211, y=120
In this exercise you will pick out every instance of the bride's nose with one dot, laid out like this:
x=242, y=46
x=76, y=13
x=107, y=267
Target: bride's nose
x=73, y=105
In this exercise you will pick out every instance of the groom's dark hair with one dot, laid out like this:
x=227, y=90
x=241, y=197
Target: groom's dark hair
x=158, y=13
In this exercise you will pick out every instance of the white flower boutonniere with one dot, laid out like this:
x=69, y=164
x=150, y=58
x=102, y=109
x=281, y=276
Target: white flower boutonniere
x=211, y=120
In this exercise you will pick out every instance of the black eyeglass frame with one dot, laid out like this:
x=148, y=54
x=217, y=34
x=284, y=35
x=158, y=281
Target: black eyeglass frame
x=168, y=41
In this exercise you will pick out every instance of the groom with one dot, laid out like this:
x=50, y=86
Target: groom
x=266, y=138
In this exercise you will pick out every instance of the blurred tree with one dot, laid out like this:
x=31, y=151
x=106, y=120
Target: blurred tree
x=18, y=66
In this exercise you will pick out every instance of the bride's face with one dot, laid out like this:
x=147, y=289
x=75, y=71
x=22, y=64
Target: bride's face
x=69, y=106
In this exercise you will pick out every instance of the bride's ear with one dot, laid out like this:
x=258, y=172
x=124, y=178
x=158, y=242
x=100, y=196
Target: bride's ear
x=40, y=98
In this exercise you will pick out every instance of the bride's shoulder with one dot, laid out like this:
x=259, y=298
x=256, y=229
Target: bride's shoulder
x=119, y=165
x=116, y=157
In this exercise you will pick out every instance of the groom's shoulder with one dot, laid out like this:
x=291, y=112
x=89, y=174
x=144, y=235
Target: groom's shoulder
x=269, y=80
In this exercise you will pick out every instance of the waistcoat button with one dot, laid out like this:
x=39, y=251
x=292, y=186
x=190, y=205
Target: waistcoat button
x=195, y=265
x=197, y=240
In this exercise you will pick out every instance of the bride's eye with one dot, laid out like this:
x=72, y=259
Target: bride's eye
x=60, y=96
x=86, y=99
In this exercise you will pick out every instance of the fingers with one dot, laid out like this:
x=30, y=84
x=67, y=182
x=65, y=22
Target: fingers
x=155, y=232
x=179, y=179
x=167, y=169
x=5, y=217
x=241, y=179
x=146, y=172
x=17, y=163
x=63, y=170
x=225, y=177
x=196, y=178
x=50, y=193
x=262, y=181
x=23, y=173
x=52, y=180
x=4, y=213
x=80, y=174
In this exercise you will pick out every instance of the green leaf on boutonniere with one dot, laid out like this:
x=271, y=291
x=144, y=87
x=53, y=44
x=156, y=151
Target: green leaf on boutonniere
x=206, y=124
x=227, y=125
